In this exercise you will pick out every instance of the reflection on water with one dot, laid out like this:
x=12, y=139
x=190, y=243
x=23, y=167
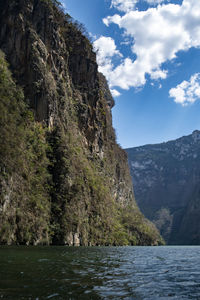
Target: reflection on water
x=99, y=273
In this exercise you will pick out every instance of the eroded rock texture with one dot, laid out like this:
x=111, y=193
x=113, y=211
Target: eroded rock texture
x=90, y=196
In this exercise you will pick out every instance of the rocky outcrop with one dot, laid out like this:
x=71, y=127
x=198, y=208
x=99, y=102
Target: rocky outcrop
x=90, y=185
x=166, y=181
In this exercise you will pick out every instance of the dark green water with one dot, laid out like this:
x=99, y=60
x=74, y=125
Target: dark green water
x=100, y=273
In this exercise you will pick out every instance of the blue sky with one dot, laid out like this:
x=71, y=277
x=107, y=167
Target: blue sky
x=149, y=52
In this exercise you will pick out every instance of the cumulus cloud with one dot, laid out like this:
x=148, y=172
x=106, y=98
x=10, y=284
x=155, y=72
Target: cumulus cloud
x=157, y=34
x=128, y=5
x=106, y=48
x=155, y=2
x=115, y=93
x=157, y=74
x=188, y=91
x=124, y=5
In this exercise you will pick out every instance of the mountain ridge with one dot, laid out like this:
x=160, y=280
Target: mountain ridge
x=166, y=179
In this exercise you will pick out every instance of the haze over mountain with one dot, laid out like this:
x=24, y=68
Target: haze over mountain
x=166, y=180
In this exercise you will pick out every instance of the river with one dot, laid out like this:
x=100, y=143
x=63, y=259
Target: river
x=35, y=273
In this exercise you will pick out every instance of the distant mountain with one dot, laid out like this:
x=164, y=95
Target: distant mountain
x=166, y=180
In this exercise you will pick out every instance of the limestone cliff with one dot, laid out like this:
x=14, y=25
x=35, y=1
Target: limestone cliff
x=89, y=191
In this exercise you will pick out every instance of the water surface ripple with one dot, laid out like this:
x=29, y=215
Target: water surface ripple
x=140, y=273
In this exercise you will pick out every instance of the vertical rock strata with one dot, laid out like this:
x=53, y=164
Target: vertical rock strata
x=89, y=191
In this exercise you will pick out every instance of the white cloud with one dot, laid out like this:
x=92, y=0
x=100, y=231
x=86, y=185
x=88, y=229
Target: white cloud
x=188, y=91
x=157, y=74
x=124, y=5
x=157, y=34
x=155, y=2
x=128, y=5
x=115, y=93
x=106, y=48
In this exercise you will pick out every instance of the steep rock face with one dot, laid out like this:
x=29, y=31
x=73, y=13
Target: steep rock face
x=24, y=177
x=166, y=181
x=90, y=189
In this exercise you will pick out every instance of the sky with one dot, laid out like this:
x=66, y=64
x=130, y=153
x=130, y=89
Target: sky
x=149, y=51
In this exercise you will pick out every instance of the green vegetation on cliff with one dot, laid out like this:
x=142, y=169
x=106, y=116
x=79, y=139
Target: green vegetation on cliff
x=24, y=177
x=64, y=180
